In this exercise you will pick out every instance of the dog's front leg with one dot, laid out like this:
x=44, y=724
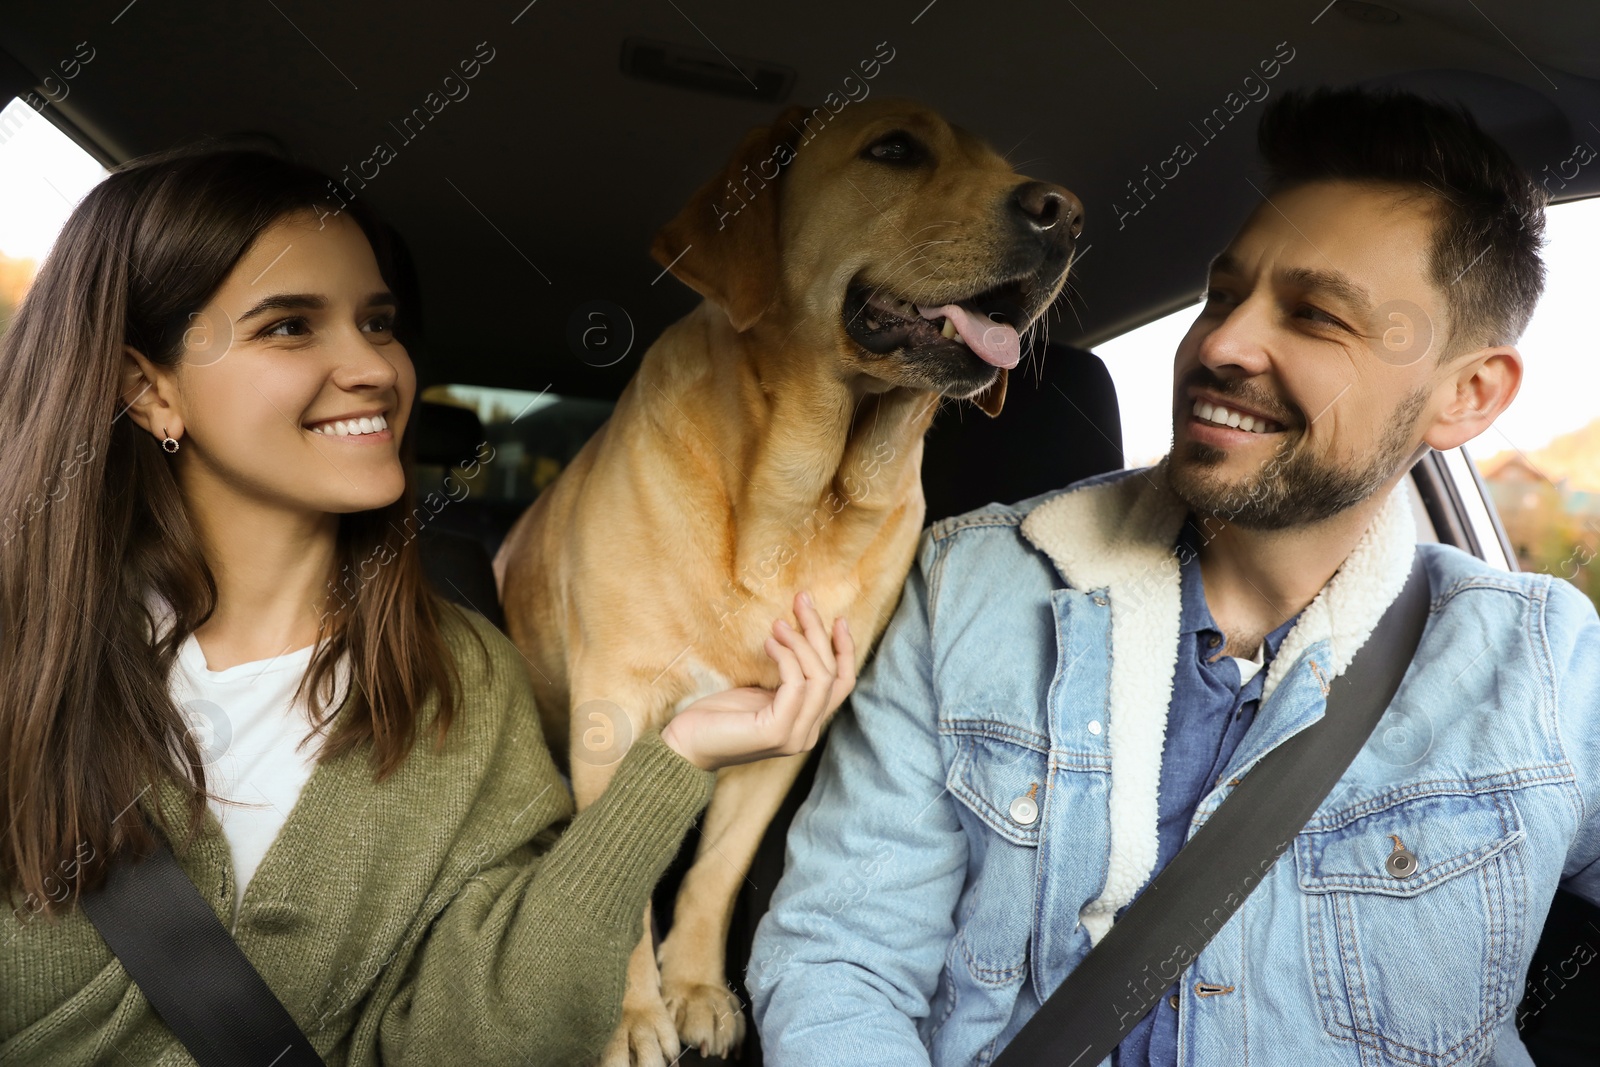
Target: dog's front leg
x=646, y=1036
x=693, y=976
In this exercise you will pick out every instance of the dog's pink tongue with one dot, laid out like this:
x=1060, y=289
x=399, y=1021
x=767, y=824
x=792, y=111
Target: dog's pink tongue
x=994, y=342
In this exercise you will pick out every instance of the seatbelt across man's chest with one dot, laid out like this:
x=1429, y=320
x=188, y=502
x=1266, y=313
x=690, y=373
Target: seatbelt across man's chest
x=1193, y=897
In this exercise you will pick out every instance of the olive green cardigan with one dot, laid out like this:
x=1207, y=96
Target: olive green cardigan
x=439, y=917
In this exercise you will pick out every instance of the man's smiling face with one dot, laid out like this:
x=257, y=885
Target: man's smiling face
x=1322, y=326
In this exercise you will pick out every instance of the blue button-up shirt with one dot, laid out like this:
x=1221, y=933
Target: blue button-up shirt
x=1211, y=711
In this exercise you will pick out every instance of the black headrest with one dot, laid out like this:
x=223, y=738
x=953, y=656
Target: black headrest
x=446, y=434
x=1060, y=423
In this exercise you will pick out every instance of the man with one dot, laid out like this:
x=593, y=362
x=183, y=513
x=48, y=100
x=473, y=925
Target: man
x=1072, y=684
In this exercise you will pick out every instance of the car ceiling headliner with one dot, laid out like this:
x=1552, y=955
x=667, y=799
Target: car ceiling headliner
x=541, y=190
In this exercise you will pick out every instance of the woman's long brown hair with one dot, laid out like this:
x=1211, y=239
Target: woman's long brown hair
x=91, y=517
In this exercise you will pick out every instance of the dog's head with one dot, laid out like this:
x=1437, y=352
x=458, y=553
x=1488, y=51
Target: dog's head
x=883, y=234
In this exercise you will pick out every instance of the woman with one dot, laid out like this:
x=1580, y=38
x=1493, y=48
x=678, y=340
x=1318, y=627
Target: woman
x=205, y=407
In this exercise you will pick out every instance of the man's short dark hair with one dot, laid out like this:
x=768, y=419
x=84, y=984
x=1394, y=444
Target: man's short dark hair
x=1490, y=221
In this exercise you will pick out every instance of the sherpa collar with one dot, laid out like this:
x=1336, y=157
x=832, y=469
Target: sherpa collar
x=1118, y=534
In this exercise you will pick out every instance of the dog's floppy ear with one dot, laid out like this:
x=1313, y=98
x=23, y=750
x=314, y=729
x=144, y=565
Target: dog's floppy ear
x=724, y=243
x=992, y=399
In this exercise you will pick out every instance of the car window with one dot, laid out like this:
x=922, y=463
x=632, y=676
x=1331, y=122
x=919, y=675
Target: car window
x=1541, y=458
x=529, y=438
x=43, y=175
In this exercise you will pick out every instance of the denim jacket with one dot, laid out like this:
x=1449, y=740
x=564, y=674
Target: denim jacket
x=987, y=802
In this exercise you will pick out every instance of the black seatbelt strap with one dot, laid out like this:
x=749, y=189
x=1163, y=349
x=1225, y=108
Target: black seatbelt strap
x=190, y=968
x=1190, y=899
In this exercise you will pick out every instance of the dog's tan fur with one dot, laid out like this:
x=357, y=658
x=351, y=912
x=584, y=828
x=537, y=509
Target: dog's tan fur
x=758, y=450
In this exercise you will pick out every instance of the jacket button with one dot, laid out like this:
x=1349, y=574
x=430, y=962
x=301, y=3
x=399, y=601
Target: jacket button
x=1024, y=810
x=1173, y=1000
x=1402, y=863
x=1101, y=601
x=1094, y=726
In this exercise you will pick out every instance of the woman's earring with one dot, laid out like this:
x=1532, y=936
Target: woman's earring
x=168, y=442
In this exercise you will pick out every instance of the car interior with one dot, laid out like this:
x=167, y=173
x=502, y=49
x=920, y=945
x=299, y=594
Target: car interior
x=525, y=207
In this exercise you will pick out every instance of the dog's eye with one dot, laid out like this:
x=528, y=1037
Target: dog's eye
x=896, y=147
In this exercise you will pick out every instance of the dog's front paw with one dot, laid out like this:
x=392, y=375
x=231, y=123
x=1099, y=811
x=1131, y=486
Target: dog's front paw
x=707, y=1016
x=646, y=1037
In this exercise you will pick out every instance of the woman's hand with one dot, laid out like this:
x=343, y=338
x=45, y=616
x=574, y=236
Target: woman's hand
x=750, y=723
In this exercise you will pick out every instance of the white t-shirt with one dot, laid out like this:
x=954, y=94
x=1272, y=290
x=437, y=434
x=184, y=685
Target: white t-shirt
x=1249, y=667
x=247, y=732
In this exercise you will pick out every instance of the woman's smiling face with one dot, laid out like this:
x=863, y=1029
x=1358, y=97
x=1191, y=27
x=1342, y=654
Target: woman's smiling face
x=291, y=372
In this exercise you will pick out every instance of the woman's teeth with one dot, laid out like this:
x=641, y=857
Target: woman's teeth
x=351, y=427
x=1221, y=416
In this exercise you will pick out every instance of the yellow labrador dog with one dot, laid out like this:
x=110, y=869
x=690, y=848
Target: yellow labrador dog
x=856, y=268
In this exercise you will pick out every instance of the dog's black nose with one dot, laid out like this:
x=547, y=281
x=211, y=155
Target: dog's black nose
x=1049, y=209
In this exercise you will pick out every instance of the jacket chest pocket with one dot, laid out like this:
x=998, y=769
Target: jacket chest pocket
x=1000, y=785
x=1414, y=915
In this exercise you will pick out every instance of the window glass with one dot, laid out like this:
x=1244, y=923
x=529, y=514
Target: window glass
x=1541, y=458
x=528, y=438
x=497, y=449
x=43, y=175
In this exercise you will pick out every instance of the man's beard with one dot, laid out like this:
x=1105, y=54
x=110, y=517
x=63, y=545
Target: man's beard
x=1292, y=488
